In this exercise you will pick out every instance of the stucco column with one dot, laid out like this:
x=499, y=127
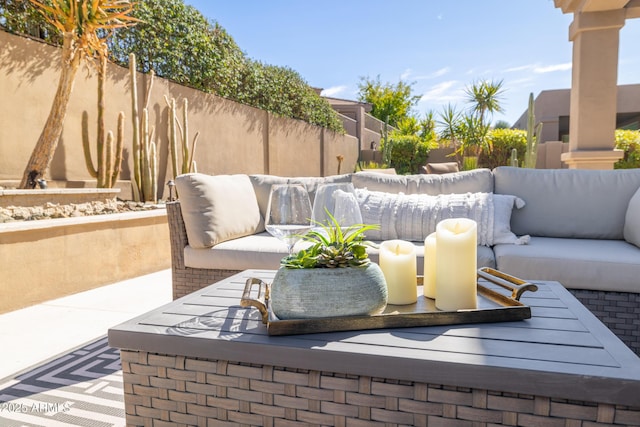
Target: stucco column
x=594, y=83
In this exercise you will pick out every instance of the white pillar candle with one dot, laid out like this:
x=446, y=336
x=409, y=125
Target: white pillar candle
x=456, y=264
x=398, y=263
x=429, y=282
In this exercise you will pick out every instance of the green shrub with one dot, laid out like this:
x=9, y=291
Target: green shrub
x=629, y=142
x=500, y=142
x=408, y=153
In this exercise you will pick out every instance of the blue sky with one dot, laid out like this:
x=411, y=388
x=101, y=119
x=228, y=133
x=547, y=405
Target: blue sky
x=439, y=46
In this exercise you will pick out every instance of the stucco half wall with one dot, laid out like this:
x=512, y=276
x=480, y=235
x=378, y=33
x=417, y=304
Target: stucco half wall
x=47, y=259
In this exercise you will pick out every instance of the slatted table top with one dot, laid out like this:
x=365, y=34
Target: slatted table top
x=563, y=351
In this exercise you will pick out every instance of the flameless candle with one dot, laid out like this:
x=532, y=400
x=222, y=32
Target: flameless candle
x=429, y=283
x=398, y=263
x=456, y=264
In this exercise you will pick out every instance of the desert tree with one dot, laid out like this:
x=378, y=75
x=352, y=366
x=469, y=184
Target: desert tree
x=85, y=25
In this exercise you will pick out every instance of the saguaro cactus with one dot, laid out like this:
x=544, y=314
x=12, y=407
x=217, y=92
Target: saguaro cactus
x=145, y=161
x=109, y=158
x=188, y=164
x=533, y=136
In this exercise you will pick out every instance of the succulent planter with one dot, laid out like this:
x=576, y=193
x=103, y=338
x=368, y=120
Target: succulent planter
x=328, y=292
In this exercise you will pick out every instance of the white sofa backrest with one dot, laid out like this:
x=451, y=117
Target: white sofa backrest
x=569, y=203
x=474, y=181
x=262, y=185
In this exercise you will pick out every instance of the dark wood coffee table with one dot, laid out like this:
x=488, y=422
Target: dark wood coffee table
x=204, y=357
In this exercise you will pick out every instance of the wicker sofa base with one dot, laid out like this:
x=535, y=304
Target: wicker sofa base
x=168, y=390
x=619, y=311
x=187, y=280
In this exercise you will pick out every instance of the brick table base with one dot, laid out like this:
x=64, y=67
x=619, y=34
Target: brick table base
x=177, y=391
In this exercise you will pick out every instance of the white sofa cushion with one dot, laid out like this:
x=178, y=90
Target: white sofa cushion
x=217, y=208
x=263, y=251
x=587, y=204
x=474, y=181
x=414, y=216
x=607, y=265
x=632, y=220
x=255, y=251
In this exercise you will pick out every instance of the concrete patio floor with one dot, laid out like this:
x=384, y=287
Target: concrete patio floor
x=41, y=332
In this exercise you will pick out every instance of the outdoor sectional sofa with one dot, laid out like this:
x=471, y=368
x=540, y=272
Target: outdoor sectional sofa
x=578, y=227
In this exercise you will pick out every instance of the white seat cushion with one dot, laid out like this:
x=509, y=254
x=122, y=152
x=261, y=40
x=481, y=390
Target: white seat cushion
x=608, y=265
x=262, y=251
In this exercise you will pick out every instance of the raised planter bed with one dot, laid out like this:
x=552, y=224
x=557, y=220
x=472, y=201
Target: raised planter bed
x=60, y=195
x=47, y=259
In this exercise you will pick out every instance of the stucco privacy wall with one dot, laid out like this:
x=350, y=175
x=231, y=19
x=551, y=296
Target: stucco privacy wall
x=234, y=138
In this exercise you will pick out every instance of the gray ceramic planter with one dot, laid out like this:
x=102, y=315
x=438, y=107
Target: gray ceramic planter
x=326, y=292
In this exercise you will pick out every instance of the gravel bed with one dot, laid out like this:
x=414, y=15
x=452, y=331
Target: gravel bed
x=53, y=210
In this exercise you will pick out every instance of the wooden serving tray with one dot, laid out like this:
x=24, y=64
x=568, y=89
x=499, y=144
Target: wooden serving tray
x=492, y=307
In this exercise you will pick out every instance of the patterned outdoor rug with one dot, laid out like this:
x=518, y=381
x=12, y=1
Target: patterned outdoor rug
x=80, y=388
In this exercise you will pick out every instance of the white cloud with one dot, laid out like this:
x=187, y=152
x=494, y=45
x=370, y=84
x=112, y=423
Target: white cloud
x=537, y=68
x=405, y=75
x=525, y=81
x=440, y=72
x=333, y=91
x=551, y=68
x=521, y=68
x=448, y=91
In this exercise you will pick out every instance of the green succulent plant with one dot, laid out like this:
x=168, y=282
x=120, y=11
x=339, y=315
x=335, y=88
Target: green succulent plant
x=333, y=247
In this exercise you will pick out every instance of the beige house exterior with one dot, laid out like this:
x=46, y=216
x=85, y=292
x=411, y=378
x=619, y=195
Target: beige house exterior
x=358, y=122
x=552, y=108
x=595, y=33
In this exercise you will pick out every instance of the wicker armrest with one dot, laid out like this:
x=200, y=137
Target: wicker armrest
x=177, y=233
x=186, y=279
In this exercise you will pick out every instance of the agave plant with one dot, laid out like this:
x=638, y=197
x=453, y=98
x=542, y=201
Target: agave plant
x=333, y=247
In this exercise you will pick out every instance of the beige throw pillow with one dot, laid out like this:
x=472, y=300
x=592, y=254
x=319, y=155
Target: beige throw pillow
x=440, y=168
x=217, y=208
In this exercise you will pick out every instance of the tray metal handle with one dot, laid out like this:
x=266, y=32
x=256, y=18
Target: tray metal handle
x=515, y=285
x=260, y=301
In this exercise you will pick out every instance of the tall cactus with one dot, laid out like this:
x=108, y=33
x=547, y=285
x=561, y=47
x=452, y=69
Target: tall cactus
x=188, y=164
x=109, y=158
x=145, y=161
x=533, y=136
x=514, y=157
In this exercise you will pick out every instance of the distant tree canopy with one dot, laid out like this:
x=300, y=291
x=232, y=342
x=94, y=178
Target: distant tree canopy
x=180, y=44
x=177, y=42
x=22, y=17
x=390, y=103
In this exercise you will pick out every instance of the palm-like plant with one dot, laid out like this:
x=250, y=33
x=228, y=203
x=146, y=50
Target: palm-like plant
x=473, y=132
x=85, y=25
x=449, y=124
x=485, y=97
